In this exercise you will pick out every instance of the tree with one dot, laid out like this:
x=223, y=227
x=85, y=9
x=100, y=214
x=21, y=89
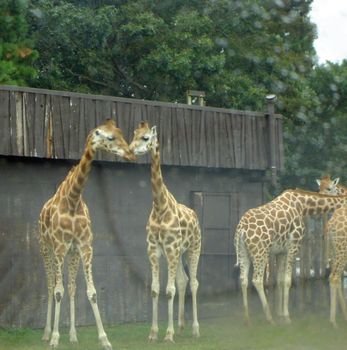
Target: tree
x=16, y=49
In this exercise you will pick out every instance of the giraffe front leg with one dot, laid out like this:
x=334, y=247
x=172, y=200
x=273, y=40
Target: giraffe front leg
x=87, y=255
x=73, y=265
x=154, y=255
x=172, y=262
x=58, y=295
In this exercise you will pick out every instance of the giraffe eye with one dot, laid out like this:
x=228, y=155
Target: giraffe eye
x=145, y=138
x=111, y=138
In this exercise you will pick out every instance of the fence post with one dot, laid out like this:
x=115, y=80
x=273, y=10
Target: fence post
x=271, y=99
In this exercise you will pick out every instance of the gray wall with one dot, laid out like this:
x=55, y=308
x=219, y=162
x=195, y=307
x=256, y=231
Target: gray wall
x=119, y=199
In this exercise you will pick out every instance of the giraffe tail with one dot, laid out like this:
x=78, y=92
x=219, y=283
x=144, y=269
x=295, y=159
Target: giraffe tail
x=237, y=243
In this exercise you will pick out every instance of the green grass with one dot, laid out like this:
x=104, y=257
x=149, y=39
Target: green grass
x=308, y=332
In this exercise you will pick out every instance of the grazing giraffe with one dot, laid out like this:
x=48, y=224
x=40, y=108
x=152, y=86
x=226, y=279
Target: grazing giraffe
x=65, y=229
x=277, y=228
x=335, y=232
x=172, y=230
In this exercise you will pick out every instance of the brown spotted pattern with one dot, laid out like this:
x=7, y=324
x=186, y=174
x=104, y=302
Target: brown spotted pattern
x=336, y=234
x=172, y=230
x=276, y=228
x=65, y=230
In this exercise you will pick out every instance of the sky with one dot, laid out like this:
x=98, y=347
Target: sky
x=330, y=16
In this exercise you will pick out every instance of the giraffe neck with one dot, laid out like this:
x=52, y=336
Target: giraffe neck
x=341, y=190
x=309, y=203
x=159, y=190
x=79, y=176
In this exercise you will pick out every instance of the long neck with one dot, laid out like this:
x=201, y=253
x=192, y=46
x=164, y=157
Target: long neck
x=79, y=175
x=308, y=203
x=341, y=190
x=159, y=189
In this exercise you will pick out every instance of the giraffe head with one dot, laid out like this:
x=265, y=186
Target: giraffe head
x=145, y=139
x=328, y=186
x=109, y=138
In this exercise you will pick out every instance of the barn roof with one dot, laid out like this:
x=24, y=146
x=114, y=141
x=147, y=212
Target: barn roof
x=188, y=135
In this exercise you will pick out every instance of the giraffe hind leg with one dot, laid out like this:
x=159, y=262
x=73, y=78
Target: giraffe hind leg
x=258, y=282
x=194, y=284
x=182, y=281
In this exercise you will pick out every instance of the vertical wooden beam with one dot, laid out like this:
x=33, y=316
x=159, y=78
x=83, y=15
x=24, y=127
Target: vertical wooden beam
x=271, y=99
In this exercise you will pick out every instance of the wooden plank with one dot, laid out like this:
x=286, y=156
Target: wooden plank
x=215, y=128
x=74, y=126
x=29, y=124
x=182, y=136
x=16, y=123
x=38, y=131
x=57, y=130
x=203, y=159
x=82, y=127
x=236, y=137
x=5, y=130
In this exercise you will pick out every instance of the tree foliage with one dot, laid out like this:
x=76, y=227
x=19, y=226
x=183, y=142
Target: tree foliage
x=16, y=49
x=236, y=51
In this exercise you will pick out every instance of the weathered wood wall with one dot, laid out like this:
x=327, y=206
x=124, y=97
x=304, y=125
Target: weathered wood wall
x=119, y=199
x=213, y=160
x=45, y=123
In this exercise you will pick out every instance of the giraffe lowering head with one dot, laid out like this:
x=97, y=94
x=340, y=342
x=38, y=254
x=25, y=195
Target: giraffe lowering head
x=109, y=138
x=328, y=185
x=145, y=139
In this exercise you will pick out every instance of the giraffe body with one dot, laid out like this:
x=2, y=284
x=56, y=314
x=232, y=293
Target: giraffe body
x=65, y=230
x=276, y=228
x=172, y=230
x=335, y=233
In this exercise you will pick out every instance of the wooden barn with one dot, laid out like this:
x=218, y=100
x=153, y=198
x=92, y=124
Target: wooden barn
x=218, y=161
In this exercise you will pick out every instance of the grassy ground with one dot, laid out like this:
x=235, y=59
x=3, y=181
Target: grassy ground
x=309, y=332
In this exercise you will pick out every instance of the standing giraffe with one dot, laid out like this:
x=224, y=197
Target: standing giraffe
x=65, y=228
x=335, y=233
x=329, y=186
x=278, y=228
x=172, y=230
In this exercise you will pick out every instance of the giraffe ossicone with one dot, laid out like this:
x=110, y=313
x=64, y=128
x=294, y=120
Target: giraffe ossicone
x=172, y=230
x=65, y=230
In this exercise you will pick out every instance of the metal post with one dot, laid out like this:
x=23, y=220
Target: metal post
x=271, y=99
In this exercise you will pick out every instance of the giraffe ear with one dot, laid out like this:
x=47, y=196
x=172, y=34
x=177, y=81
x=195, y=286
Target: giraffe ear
x=110, y=122
x=318, y=182
x=143, y=125
x=336, y=181
x=154, y=131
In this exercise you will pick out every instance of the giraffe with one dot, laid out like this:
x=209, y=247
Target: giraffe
x=329, y=186
x=65, y=229
x=172, y=229
x=277, y=228
x=335, y=233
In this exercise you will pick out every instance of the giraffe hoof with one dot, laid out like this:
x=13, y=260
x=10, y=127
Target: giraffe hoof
x=334, y=324
x=153, y=337
x=169, y=337
x=46, y=335
x=196, y=331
